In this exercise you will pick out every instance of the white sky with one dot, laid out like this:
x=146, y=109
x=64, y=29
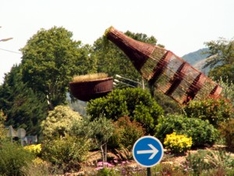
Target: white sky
x=181, y=25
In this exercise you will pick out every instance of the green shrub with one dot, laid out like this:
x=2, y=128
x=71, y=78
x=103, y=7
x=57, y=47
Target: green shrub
x=107, y=172
x=177, y=143
x=213, y=110
x=37, y=168
x=196, y=162
x=126, y=133
x=13, y=159
x=136, y=103
x=3, y=131
x=207, y=161
x=66, y=153
x=227, y=131
x=167, y=169
x=201, y=132
x=59, y=122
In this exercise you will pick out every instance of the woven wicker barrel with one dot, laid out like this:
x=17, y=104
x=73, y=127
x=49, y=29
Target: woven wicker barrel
x=164, y=70
x=91, y=89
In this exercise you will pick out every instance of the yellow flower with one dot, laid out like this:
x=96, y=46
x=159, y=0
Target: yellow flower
x=177, y=143
x=34, y=148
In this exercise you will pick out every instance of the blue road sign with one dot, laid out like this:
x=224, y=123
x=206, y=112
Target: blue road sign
x=147, y=151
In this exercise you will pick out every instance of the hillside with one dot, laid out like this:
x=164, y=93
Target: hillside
x=197, y=59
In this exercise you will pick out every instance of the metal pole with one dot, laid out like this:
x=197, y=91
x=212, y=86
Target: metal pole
x=124, y=78
x=148, y=171
x=142, y=83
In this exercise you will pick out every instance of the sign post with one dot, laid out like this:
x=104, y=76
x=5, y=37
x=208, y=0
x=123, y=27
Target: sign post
x=147, y=152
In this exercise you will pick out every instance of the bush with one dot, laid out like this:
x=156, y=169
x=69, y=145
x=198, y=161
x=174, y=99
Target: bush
x=201, y=132
x=126, y=133
x=59, y=122
x=207, y=161
x=136, y=103
x=107, y=172
x=65, y=153
x=3, y=130
x=213, y=110
x=37, y=168
x=227, y=131
x=13, y=158
x=177, y=143
x=167, y=169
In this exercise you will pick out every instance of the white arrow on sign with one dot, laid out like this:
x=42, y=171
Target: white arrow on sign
x=154, y=151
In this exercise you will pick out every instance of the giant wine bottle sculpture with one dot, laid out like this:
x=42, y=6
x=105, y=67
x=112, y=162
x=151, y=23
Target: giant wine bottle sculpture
x=164, y=70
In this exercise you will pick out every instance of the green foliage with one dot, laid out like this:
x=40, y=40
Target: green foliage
x=228, y=90
x=196, y=162
x=37, y=168
x=3, y=131
x=50, y=59
x=126, y=133
x=133, y=102
x=166, y=169
x=201, y=132
x=213, y=110
x=13, y=159
x=177, y=143
x=221, y=59
x=102, y=130
x=66, y=153
x=107, y=172
x=222, y=71
x=59, y=122
x=227, y=131
x=99, y=131
x=203, y=162
x=111, y=60
x=169, y=105
x=22, y=107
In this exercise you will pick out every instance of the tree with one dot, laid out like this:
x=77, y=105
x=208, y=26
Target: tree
x=111, y=60
x=59, y=122
x=221, y=59
x=2, y=127
x=228, y=90
x=102, y=131
x=50, y=59
x=133, y=102
x=99, y=131
x=21, y=105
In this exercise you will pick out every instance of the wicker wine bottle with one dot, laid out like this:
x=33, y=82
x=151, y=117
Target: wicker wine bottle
x=164, y=70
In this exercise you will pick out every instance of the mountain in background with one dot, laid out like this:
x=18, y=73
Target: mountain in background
x=197, y=59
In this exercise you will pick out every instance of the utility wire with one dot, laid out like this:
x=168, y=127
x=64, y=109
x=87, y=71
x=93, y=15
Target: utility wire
x=15, y=52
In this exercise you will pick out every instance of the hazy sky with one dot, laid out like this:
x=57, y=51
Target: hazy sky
x=181, y=25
